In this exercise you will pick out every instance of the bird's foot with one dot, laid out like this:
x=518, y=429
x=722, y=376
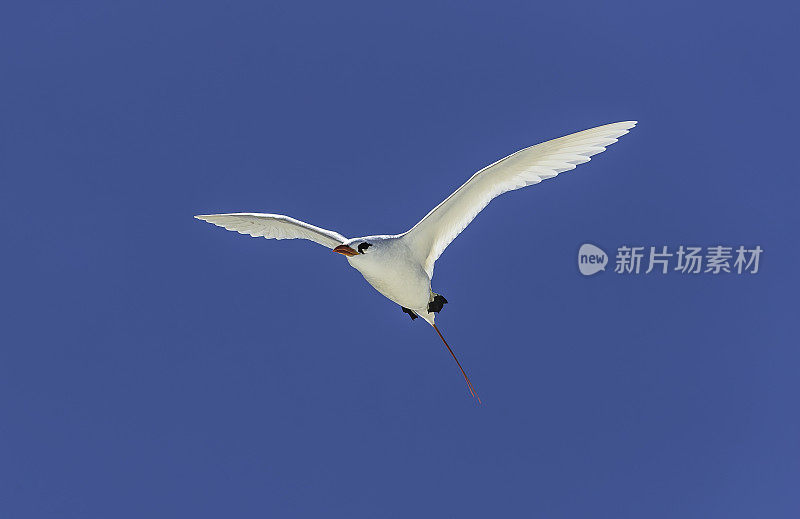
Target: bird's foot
x=412, y=313
x=436, y=303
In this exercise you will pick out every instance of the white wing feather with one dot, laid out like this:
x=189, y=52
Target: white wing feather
x=275, y=226
x=433, y=234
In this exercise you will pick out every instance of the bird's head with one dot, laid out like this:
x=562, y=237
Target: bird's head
x=354, y=248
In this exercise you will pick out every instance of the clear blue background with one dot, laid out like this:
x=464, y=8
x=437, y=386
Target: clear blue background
x=155, y=366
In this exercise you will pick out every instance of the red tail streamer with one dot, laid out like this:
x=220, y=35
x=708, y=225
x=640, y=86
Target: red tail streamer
x=469, y=384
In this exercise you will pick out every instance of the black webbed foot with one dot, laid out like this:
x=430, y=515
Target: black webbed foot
x=437, y=303
x=410, y=312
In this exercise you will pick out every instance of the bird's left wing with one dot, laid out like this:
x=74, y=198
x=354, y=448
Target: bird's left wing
x=275, y=226
x=433, y=234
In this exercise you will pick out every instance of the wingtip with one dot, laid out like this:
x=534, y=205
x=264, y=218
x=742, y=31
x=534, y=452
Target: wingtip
x=621, y=127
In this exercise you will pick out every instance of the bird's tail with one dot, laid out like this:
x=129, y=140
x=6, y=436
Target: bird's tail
x=469, y=384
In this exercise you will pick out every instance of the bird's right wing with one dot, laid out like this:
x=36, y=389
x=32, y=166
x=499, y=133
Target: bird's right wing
x=433, y=234
x=275, y=226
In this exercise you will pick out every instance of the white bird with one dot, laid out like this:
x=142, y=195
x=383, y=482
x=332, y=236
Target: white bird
x=400, y=266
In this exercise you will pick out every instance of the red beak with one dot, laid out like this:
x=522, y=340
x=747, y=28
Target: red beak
x=346, y=250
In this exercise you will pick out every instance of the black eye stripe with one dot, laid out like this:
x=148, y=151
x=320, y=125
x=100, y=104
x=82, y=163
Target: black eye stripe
x=363, y=246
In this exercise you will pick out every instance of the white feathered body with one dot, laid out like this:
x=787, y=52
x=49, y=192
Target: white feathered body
x=391, y=267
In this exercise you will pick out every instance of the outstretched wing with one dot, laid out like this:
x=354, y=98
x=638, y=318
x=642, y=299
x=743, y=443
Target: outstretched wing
x=433, y=234
x=275, y=226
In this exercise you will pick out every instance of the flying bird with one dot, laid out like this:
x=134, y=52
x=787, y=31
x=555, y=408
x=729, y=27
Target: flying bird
x=400, y=266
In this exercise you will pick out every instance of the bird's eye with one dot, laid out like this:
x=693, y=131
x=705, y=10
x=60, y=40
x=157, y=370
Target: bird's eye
x=363, y=246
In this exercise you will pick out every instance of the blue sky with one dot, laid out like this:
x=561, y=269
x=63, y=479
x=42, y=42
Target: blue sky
x=153, y=365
